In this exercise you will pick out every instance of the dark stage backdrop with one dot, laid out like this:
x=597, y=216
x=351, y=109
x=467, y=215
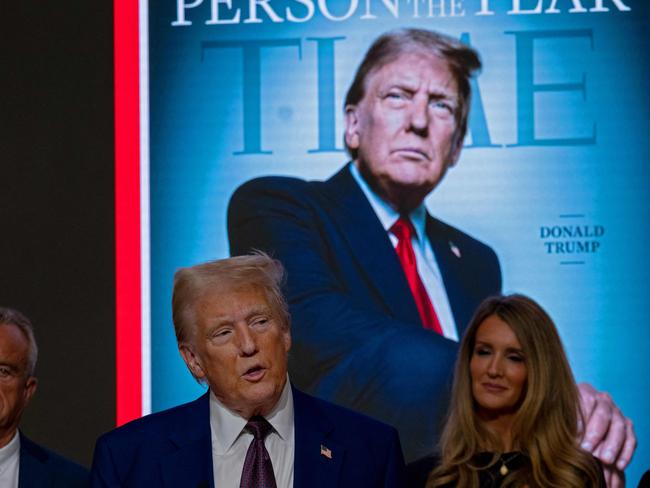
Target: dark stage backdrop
x=56, y=209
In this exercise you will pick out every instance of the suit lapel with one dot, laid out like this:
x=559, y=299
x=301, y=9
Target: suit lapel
x=370, y=245
x=449, y=256
x=32, y=472
x=318, y=459
x=191, y=463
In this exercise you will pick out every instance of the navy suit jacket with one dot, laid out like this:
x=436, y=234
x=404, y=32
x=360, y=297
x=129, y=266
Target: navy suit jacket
x=41, y=468
x=173, y=449
x=357, y=336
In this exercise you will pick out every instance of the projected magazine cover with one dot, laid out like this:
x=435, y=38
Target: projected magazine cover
x=551, y=177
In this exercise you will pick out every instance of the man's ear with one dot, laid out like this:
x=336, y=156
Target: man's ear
x=192, y=361
x=351, y=127
x=30, y=388
x=286, y=338
x=454, y=156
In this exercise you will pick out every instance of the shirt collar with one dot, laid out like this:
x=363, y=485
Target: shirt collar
x=10, y=449
x=226, y=426
x=386, y=214
x=281, y=417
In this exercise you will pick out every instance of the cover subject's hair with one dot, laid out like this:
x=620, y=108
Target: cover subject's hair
x=462, y=60
x=546, y=425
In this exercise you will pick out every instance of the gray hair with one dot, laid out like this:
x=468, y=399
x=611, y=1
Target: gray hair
x=11, y=316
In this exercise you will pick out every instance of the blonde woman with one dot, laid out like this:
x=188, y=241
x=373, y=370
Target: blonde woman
x=514, y=415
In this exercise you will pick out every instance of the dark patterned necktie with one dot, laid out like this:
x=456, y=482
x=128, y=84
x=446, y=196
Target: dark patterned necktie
x=403, y=230
x=258, y=470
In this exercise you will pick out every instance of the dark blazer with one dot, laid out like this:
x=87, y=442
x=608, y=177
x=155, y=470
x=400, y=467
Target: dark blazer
x=417, y=472
x=173, y=449
x=357, y=335
x=41, y=468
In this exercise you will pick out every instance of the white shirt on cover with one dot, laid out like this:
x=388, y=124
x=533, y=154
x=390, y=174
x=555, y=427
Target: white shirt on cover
x=10, y=463
x=426, y=261
x=230, y=442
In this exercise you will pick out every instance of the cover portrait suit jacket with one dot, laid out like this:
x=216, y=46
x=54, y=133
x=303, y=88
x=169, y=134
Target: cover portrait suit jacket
x=357, y=336
x=172, y=449
x=41, y=468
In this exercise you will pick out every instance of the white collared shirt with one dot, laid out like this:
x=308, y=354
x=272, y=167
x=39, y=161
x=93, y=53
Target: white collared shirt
x=230, y=442
x=426, y=261
x=10, y=463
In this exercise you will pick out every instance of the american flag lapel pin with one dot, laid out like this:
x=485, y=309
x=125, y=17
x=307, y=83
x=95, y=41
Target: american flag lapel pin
x=325, y=451
x=454, y=248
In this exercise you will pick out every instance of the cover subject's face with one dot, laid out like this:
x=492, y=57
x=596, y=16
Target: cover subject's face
x=16, y=386
x=498, y=369
x=240, y=348
x=405, y=127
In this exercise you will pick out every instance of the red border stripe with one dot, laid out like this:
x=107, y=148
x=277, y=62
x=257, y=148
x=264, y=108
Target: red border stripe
x=127, y=212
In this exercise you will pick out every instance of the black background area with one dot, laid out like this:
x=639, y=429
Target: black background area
x=56, y=211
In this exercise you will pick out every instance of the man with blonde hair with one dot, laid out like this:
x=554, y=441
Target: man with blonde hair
x=252, y=429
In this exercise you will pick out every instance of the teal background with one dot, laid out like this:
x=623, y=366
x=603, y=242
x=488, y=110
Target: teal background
x=502, y=191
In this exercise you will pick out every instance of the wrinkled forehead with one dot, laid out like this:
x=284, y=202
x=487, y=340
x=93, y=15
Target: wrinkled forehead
x=220, y=295
x=404, y=61
x=217, y=300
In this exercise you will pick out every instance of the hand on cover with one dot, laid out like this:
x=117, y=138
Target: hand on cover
x=608, y=434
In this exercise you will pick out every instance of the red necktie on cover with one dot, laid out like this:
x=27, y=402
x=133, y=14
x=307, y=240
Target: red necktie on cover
x=258, y=470
x=403, y=230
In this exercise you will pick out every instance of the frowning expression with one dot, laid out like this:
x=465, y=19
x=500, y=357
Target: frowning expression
x=405, y=126
x=239, y=347
x=497, y=368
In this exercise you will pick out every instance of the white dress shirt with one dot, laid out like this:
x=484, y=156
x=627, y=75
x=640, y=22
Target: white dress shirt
x=10, y=463
x=230, y=442
x=426, y=260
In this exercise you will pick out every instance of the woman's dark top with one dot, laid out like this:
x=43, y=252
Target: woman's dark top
x=490, y=477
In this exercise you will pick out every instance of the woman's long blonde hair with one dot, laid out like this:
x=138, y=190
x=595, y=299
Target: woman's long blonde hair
x=545, y=427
